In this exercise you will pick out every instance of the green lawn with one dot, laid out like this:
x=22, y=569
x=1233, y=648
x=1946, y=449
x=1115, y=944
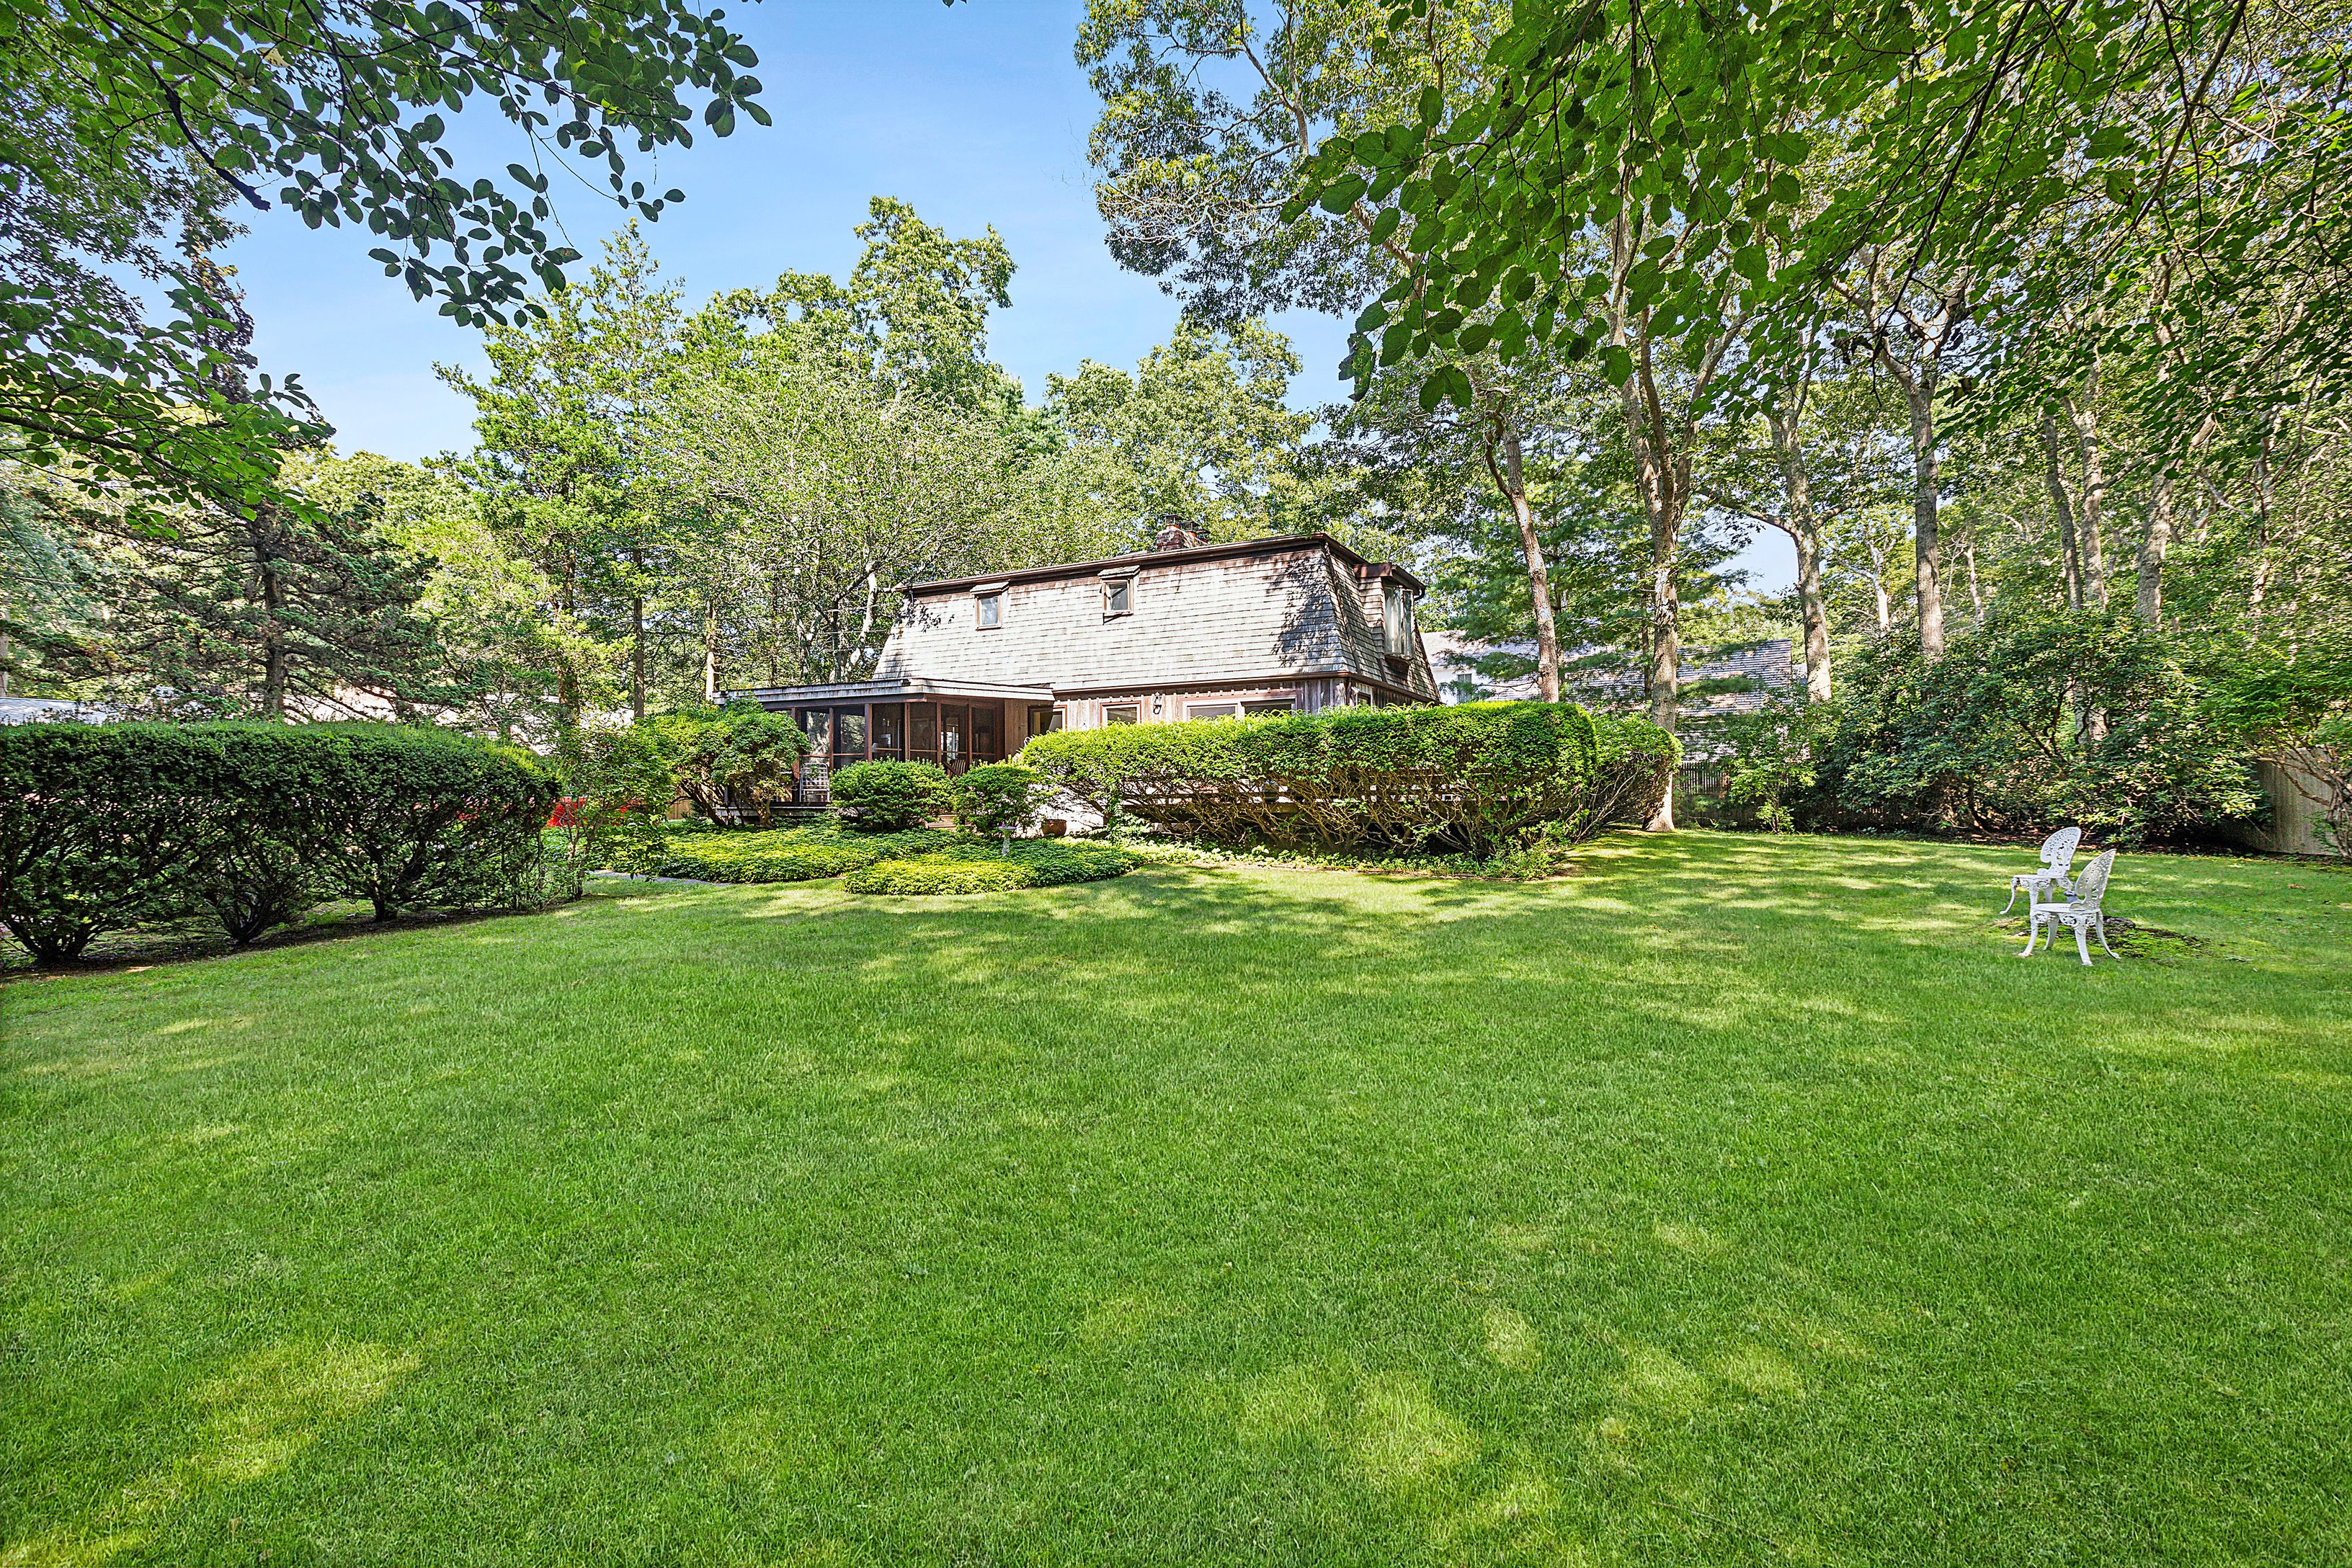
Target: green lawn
x=1738, y=1200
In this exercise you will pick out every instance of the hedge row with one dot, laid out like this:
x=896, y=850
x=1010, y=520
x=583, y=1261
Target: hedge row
x=1478, y=777
x=981, y=868
x=776, y=854
x=106, y=825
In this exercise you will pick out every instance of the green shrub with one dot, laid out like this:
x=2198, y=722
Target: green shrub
x=976, y=865
x=102, y=826
x=617, y=782
x=2035, y=720
x=891, y=797
x=741, y=751
x=996, y=799
x=1478, y=777
x=425, y=818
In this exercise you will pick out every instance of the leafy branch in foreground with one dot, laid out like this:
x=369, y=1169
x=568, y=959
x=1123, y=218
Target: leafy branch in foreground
x=131, y=130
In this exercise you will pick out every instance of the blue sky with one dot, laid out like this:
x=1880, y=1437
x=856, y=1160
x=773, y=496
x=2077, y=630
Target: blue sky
x=975, y=113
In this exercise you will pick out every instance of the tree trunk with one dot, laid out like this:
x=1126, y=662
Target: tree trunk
x=2085, y=418
x=273, y=629
x=711, y=650
x=637, y=659
x=1804, y=530
x=2147, y=601
x=2061, y=507
x=1510, y=478
x=1976, y=589
x=1923, y=498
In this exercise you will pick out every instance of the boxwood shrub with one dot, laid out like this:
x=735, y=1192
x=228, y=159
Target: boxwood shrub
x=980, y=867
x=102, y=826
x=1477, y=778
x=891, y=798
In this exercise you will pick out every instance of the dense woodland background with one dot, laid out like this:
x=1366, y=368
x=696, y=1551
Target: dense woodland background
x=2030, y=331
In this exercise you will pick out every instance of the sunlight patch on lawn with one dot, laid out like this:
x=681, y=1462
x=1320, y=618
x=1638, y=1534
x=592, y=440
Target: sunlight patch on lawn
x=1761, y=1370
x=1402, y=1436
x=1659, y=1383
x=258, y=1416
x=1511, y=1339
x=1122, y=1318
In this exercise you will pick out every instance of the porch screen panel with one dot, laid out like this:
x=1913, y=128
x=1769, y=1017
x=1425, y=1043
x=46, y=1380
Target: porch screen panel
x=848, y=736
x=890, y=731
x=954, y=738
x=922, y=733
x=987, y=734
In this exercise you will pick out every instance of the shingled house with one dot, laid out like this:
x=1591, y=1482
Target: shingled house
x=975, y=665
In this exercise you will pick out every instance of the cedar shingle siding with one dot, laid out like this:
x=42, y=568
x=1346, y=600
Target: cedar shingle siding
x=1272, y=613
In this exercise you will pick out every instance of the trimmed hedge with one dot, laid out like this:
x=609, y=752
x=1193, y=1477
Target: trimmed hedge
x=891, y=798
x=777, y=855
x=1478, y=777
x=105, y=825
x=979, y=867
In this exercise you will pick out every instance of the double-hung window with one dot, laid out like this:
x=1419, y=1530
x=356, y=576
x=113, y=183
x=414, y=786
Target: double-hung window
x=988, y=607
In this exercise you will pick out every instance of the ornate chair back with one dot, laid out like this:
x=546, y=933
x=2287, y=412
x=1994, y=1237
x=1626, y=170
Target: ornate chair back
x=2092, y=885
x=2058, y=849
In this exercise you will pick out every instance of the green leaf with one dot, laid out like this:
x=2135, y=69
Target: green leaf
x=1341, y=193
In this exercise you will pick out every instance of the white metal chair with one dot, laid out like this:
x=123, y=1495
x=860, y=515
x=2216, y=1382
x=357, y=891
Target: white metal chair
x=2080, y=913
x=2057, y=854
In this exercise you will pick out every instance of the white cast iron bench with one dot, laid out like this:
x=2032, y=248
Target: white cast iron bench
x=2057, y=854
x=2080, y=913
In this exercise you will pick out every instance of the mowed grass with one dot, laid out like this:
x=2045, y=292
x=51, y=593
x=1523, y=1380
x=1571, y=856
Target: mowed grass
x=1738, y=1200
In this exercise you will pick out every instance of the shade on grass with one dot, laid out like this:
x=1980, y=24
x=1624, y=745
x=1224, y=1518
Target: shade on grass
x=1737, y=1200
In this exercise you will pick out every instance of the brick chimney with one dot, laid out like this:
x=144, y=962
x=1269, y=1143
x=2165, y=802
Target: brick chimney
x=1175, y=532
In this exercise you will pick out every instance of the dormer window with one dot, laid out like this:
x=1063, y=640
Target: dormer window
x=988, y=605
x=1119, y=591
x=1396, y=620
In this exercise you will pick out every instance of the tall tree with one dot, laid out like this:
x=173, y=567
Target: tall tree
x=563, y=420
x=1210, y=113
x=1202, y=429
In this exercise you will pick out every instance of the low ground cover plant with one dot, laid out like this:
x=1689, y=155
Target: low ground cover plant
x=980, y=867
x=773, y=854
x=917, y=860
x=1479, y=778
x=107, y=826
x=891, y=798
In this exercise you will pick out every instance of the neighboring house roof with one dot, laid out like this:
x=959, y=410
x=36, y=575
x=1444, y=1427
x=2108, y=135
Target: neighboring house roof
x=1265, y=610
x=1768, y=667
